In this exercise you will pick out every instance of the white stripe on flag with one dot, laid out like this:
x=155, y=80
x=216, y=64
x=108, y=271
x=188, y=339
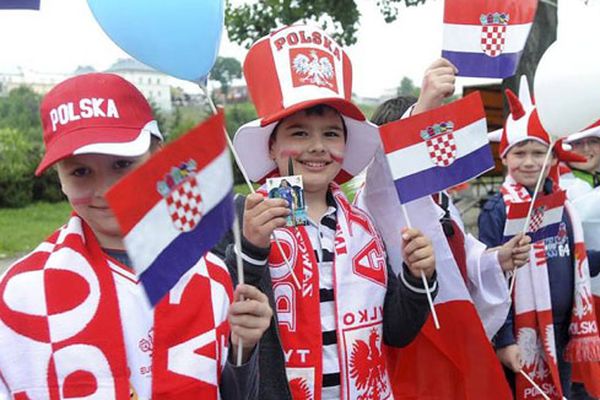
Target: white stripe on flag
x=515, y=226
x=415, y=158
x=467, y=38
x=153, y=233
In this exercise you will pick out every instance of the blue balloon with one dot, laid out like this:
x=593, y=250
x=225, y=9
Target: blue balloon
x=180, y=38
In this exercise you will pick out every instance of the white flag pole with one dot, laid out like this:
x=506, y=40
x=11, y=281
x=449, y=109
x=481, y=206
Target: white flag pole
x=240, y=272
x=423, y=278
x=531, y=206
x=249, y=184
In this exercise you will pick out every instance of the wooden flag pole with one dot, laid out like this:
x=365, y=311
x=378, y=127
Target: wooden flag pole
x=247, y=180
x=423, y=278
x=533, y=199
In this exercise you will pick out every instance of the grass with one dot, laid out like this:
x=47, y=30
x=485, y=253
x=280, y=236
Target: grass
x=21, y=229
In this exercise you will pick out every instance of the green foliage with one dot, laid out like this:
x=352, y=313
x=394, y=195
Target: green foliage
x=248, y=22
x=225, y=70
x=236, y=116
x=408, y=88
x=24, y=228
x=18, y=158
x=20, y=111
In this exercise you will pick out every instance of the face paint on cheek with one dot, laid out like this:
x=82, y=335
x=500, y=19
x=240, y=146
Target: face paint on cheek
x=287, y=153
x=337, y=156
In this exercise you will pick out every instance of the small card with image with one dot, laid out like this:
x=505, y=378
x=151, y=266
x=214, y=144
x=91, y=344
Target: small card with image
x=290, y=188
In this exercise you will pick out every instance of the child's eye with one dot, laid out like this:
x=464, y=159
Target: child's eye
x=299, y=133
x=333, y=134
x=81, y=171
x=122, y=164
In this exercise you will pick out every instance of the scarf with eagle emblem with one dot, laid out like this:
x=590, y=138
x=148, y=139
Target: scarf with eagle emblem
x=360, y=285
x=534, y=326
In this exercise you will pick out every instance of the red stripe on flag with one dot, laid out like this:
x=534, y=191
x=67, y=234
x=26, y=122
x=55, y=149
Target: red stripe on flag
x=407, y=132
x=551, y=201
x=203, y=144
x=469, y=11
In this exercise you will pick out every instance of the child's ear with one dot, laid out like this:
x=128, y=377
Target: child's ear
x=554, y=160
x=504, y=161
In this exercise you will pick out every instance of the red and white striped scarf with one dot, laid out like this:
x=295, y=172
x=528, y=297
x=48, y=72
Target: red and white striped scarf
x=360, y=284
x=62, y=334
x=533, y=310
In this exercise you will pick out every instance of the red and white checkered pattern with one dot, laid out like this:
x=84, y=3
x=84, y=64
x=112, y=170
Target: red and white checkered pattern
x=537, y=218
x=493, y=38
x=185, y=205
x=442, y=149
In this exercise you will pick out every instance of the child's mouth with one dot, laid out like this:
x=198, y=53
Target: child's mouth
x=315, y=164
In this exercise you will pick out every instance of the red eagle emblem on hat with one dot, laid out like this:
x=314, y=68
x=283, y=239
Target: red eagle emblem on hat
x=313, y=67
x=367, y=367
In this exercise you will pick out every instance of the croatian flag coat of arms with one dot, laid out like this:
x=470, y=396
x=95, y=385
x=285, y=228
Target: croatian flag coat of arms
x=173, y=209
x=485, y=38
x=436, y=150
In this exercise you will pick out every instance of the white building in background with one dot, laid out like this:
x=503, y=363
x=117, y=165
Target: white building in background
x=39, y=82
x=153, y=84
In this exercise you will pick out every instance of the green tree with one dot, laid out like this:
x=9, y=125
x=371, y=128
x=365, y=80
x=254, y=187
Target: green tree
x=408, y=88
x=248, y=22
x=225, y=70
x=20, y=110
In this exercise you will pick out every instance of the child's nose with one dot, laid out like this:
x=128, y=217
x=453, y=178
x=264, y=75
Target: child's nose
x=317, y=144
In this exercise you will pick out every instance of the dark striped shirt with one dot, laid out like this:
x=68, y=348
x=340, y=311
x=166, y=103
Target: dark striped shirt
x=322, y=237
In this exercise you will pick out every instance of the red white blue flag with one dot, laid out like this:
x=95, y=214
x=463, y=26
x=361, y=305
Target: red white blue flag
x=485, y=38
x=545, y=220
x=20, y=4
x=434, y=151
x=176, y=207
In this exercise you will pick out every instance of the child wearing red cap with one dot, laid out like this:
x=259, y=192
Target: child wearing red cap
x=552, y=322
x=337, y=302
x=74, y=320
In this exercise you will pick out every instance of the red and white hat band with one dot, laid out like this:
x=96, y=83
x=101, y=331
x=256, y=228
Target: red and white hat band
x=309, y=65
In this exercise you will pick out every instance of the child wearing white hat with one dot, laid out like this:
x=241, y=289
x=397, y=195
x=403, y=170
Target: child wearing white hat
x=337, y=303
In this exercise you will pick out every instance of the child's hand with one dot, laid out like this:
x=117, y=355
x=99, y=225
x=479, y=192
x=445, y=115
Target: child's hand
x=417, y=252
x=510, y=357
x=248, y=319
x=514, y=253
x=261, y=217
x=438, y=83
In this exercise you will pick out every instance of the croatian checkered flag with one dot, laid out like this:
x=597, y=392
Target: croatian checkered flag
x=485, y=38
x=437, y=150
x=545, y=221
x=176, y=207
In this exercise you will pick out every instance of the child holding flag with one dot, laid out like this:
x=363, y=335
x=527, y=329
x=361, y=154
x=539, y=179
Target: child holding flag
x=337, y=301
x=473, y=300
x=74, y=320
x=551, y=324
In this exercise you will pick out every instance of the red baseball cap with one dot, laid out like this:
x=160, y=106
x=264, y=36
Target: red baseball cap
x=95, y=113
x=290, y=70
